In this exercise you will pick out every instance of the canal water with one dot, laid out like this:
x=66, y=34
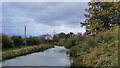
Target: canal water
x=56, y=56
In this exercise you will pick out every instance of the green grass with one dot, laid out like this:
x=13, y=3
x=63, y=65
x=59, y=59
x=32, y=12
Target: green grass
x=100, y=50
x=105, y=54
x=11, y=53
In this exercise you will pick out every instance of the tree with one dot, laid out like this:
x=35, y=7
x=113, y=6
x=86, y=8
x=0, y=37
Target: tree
x=62, y=35
x=18, y=40
x=101, y=16
x=47, y=38
x=6, y=41
x=79, y=34
x=55, y=38
x=33, y=40
x=71, y=34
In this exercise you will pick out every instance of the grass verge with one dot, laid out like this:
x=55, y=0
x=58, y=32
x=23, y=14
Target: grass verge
x=7, y=54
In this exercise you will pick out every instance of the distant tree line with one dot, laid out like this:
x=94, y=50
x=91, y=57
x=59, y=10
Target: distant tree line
x=62, y=35
x=18, y=41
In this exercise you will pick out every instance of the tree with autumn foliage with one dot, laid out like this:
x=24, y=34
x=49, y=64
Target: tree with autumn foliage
x=101, y=16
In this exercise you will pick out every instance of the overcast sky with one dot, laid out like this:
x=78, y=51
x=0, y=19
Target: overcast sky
x=42, y=17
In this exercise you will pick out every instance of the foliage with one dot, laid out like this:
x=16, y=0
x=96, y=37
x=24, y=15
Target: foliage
x=61, y=42
x=24, y=50
x=55, y=38
x=108, y=35
x=32, y=41
x=99, y=44
x=18, y=40
x=104, y=52
x=68, y=43
x=101, y=15
x=70, y=34
x=74, y=50
x=101, y=49
x=47, y=38
x=58, y=37
x=62, y=35
x=6, y=41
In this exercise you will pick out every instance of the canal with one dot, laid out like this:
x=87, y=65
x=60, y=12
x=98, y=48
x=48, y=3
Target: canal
x=56, y=56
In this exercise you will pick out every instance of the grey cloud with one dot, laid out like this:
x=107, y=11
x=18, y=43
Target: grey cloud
x=49, y=14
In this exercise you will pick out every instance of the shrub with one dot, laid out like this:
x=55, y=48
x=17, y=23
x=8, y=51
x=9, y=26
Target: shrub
x=74, y=50
x=108, y=35
x=61, y=42
x=104, y=36
x=6, y=41
x=18, y=40
x=91, y=41
x=33, y=41
x=70, y=42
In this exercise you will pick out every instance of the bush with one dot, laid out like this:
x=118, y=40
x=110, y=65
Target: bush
x=33, y=41
x=61, y=42
x=73, y=51
x=91, y=41
x=18, y=40
x=70, y=42
x=108, y=35
x=6, y=41
x=55, y=38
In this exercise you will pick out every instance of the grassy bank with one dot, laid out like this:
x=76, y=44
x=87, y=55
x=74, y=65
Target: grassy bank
x=98, y=50
x=101, y=50
x=11, y=53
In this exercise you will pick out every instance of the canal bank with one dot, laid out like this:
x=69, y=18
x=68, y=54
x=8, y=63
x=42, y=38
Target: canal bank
x=24, y=51
x=56, y=56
